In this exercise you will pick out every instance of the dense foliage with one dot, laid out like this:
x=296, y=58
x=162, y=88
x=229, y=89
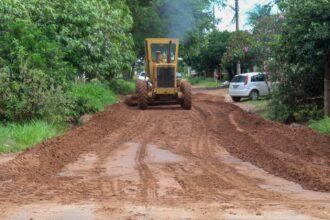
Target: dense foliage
x=242, y=47
x=253, y=48
x=212, y=49
x=293, y=47
x=45, y=45
x=300, y=56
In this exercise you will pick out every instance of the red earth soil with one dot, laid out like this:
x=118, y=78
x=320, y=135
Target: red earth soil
x=187, y=147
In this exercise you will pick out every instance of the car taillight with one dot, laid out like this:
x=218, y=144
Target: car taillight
x=246, y=80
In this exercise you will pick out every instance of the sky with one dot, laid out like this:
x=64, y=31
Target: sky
x=226, y=14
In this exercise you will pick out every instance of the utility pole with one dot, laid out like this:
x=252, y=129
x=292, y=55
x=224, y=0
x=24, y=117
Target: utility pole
x=238, y=66
x=327, y=88
x=214, y=22
x=237, y=15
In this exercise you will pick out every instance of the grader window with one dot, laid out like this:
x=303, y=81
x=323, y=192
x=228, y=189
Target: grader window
x=162, y=51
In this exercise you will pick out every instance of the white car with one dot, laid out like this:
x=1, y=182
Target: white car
x=179, y=75
x=252, y=85
x=142, y=76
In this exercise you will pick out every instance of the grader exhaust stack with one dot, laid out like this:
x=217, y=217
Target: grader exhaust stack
x=161, y=84
x=169, y=52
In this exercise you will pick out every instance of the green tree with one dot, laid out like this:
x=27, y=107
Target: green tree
x=241, y=46
x=258, y=13
x=94, y=34
x=45, y=44
x=209, y=56
x=266, y=28
x=32, y=69
x=300, y=56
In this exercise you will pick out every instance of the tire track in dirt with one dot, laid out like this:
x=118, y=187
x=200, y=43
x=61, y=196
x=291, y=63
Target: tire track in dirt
x=265, y=153
x=212, y=164
x=148, y=181
x=249, y=191
x=113, y=137
x=112, y=186
x=105, y=186
x=206, y=149
x=211, y=182
x=198, y=178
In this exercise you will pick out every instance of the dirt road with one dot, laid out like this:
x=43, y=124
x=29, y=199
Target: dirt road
x=213, y=162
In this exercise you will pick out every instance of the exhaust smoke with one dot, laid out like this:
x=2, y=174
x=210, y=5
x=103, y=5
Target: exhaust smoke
x=179, y=16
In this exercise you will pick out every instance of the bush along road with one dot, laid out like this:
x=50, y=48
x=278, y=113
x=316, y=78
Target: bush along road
x=83, y=98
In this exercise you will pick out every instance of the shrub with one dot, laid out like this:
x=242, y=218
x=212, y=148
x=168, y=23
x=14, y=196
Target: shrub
x=32, y=72
x=91, y=97
x=121, y=86
x=31, y=95
x=298, y=96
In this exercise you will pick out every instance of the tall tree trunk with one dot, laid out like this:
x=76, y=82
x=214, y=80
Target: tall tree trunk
x=327, y=88
x=230, y=74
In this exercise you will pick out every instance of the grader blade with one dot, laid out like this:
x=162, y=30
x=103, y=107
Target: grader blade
x=131, y=100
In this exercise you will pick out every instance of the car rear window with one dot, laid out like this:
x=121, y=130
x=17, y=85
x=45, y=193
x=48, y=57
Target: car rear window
x=238, y=79
x=258, y=78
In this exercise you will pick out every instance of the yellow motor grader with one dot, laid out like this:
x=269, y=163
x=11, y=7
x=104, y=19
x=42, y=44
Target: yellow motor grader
x=161, y=84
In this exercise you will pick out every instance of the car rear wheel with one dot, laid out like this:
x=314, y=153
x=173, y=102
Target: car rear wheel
x=254, y=95
x=236, y=99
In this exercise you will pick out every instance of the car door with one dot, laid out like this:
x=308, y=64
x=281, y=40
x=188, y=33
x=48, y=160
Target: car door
x=262, y=85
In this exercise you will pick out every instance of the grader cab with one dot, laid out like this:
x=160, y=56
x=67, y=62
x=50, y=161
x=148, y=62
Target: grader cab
x=161, y=84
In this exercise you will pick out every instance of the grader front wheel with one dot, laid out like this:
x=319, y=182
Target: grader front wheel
x=142, y=93
x=186, y=90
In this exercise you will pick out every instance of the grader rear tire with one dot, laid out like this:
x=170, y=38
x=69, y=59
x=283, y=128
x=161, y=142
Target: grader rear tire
x=186, y=90
x=142, y=93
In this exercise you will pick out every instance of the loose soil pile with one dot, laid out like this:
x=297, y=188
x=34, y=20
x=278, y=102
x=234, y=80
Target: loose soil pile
x=166, y=154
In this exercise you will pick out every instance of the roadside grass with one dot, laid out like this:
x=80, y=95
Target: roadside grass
x=87, y=98
x=16, y=137
x=261, y=104
x=208, y=82
x=91, y=97
x=95, y=96
x=321, y=126
x=122, y=87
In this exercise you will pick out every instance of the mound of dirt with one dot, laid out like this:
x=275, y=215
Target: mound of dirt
x=42, y=162
x=296, y=154
x=109, y=157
